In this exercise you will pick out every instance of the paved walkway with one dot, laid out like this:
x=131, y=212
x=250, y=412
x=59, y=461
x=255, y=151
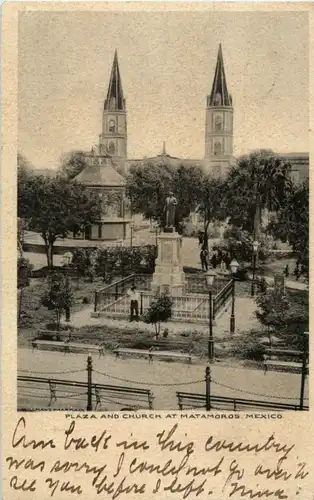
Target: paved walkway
x=226, y=380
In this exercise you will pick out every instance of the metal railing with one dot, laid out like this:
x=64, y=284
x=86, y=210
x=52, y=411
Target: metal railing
x=50, y=390
x=188, y=400
x=221, y=299
x=113, y=298
x=112, y=293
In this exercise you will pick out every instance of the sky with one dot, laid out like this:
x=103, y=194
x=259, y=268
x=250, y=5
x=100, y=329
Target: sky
x=167, y=62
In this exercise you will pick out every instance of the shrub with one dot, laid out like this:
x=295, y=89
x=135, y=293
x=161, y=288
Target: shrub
x=159, y=310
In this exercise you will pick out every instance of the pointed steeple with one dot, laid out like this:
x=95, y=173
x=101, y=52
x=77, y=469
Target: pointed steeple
x=219, y=95
x=115, y=100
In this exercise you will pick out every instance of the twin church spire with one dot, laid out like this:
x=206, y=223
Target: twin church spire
x=219, y=118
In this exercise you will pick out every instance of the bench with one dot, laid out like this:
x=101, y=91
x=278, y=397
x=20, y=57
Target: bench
x=67, y=346
x=271, y=360
x=151, y=353
x=187, y=400
x=282, y=365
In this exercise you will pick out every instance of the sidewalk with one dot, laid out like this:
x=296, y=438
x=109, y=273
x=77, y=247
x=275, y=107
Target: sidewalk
x=226, y=381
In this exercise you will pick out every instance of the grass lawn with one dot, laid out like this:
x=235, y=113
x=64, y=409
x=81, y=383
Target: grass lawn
x=35, y=316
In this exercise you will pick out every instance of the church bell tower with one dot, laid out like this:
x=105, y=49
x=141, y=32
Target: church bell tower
x=113, y=140
x=219, y=123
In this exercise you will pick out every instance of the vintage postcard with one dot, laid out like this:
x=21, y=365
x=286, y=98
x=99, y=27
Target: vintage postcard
x=155, y=250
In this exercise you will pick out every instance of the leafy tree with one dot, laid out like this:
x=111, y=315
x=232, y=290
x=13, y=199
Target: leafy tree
x=273, y=306
x=55, y=206
x=147, y=187
x=159, y=310
x=124, y=260
x=239, y=244
x=58, y=297
x=24, y=272
x=259, y=181
x=187, y=183
x=211, y=202
x=83, y=261
x=292, y=222
x=72, y=164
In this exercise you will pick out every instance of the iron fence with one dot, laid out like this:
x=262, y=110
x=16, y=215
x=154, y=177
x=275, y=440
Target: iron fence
x=78, y=394
x=188, y=400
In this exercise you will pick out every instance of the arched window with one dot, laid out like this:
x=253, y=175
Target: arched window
x=111, y=148
x=112, y=126
x=218, y=123
x=217, y=148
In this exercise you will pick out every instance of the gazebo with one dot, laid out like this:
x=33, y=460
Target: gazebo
x=101, y=177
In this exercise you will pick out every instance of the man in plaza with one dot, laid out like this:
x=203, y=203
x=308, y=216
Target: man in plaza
x=134, y=298
x=204, y=258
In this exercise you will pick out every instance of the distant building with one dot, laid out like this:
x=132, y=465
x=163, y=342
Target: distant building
x=109, y=158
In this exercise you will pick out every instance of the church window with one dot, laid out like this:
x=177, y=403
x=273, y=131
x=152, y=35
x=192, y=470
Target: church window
x=111, y=148
x=217, y=148
x=112, y=126
x=218, y=123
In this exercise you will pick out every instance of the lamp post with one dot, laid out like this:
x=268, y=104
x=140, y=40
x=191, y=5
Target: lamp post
x=210, y=277
x=255, y=245
x=234, y=266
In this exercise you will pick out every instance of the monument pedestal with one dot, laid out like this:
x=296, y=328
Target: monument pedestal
x=169, y=276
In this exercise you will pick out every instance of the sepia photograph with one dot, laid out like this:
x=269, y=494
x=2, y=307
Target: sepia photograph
x=163, y=211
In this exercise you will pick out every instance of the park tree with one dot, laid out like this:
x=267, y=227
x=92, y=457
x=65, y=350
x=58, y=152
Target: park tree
x=147, y=187
x=55, y=206
x=291, y=223
x=58, y=297
x=187, y=184
x=239, y=244
x=273, y=306
x=259, y=181
x=72, y=164
x=211, y=201
x=159, y=311
x=24, y=272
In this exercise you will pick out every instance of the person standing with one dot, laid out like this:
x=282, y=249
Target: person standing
x=134, y=299
x=214, y=260
x=204, y=259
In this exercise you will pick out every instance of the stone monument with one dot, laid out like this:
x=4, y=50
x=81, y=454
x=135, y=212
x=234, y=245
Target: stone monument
x=169, y=276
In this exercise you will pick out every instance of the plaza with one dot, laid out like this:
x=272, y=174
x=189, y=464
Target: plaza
x=167, y=281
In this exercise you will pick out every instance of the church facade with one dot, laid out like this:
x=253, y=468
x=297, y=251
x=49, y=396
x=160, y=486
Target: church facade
x=108, y=161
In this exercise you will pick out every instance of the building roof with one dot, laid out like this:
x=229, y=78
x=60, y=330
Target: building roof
x=219, y=95
x=115, y=100
x=100, y=173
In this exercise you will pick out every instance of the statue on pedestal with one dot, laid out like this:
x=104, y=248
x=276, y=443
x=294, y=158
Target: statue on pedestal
x=170, y=208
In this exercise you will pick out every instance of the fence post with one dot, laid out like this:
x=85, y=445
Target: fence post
x=141, y=307
x=116, y=291
x=89, y=383
x=207, y=380
x=303, y=373
x=95, y=302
